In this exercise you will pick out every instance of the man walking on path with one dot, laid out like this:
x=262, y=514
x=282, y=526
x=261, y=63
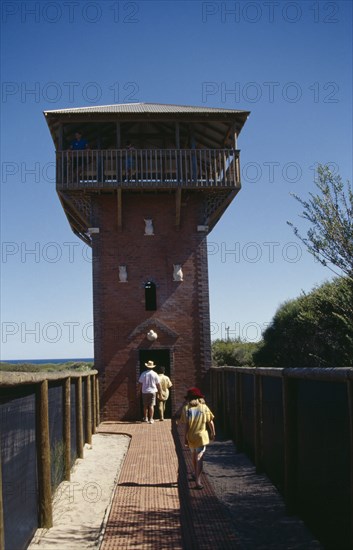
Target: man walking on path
x=163, y=395
x=149, y=385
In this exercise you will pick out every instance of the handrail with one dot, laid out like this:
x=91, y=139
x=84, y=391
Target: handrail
x=97, y=168
x=8, y=378
x=276, y=423
x=340, y=374
x=80, y=415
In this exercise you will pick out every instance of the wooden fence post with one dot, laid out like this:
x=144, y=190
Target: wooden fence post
x=97, y=401
x=289, y=396
x=88, y=411
x=67, y=427
x=45, y=511
x=2, y=529
x=79, y=420
x=224, y=401
x=94, y=405
x=258, y=421
x=238, y=414
x=350, y=414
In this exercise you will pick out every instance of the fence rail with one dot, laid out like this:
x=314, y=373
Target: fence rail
x=147, y=168
x=45, y=420
x=297, y=427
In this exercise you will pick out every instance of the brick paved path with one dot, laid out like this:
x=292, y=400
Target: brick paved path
x=155, y=505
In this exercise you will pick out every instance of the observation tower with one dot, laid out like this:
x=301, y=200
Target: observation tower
x=143, y=188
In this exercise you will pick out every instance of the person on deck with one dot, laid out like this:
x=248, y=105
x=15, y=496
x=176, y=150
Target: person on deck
x=77, y=158
x=78, y=144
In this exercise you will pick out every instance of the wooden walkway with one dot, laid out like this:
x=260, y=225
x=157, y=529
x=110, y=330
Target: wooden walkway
x=156, y=505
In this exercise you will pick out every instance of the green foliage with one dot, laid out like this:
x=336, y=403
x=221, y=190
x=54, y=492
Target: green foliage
x=234, y=353
x=330, y=213
x=314, y=330
x=46, y=367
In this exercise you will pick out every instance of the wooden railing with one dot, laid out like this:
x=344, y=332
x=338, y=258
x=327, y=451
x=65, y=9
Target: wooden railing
x=75, y=397
x=147, y=168
x=297, y=427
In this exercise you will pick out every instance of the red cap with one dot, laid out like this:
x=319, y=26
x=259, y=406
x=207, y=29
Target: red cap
x=194, y=393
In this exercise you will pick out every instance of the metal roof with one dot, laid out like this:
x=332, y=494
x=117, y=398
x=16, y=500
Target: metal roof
x=212, y=126
x=140, y=108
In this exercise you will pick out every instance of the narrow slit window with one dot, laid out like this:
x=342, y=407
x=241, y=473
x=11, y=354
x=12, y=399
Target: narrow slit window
x=150, y=296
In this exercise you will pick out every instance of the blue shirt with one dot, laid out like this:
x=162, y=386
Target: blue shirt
x=79, y=144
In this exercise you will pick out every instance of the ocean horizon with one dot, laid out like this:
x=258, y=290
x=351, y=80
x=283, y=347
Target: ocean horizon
x=44, y=361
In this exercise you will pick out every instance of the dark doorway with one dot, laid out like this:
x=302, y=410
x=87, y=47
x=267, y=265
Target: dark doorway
x=161, y=357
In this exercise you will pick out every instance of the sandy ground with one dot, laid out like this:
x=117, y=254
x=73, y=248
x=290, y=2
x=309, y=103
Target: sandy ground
x=81, y=506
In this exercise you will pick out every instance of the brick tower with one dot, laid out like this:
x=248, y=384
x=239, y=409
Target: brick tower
x=143, y=186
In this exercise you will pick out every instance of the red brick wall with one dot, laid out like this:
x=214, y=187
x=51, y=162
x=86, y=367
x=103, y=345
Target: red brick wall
x=182, y=316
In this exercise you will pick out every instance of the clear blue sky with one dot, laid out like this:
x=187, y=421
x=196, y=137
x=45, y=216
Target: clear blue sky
x=289, y=63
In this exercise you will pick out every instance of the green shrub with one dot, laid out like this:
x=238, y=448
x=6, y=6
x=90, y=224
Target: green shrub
x=314, y=330
x=234, y=353
x=46, y=367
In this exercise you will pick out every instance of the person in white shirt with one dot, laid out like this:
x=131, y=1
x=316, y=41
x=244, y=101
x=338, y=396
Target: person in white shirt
x=149, y=385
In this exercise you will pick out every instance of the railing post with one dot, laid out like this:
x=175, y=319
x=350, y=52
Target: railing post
x=224, y=167
x=213, y=387
x=237, y=168
x=94, y=405
x=2, y=529
x=350, y=414
x=97, y=401
x=79, y=420
x=67, y=427
x=88, y=411
x=238, y=413
x=45, y=511
x=224, y=402
x=221, y=397
x=258, y=421
x=289, y=396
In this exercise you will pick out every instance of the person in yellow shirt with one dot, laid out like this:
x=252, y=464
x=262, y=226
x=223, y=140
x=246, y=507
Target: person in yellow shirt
x=163, y=395
x=197, y=416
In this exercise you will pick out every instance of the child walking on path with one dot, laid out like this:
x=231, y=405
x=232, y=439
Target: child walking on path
x=197, y=416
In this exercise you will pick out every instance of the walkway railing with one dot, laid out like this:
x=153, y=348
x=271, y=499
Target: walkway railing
x=45, y=420
x=297, y=427
x=131, y=168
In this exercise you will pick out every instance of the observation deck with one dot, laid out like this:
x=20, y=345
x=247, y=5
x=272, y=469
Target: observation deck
x=147, y=168
x=146, y=147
